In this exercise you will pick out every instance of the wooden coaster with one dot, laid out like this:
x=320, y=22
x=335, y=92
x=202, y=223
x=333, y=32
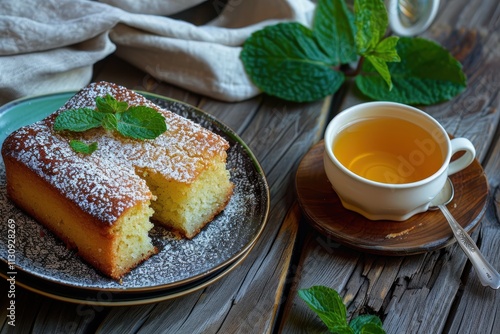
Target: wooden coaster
x=421, y=233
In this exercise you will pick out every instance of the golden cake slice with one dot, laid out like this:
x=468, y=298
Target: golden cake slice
x=102, y=203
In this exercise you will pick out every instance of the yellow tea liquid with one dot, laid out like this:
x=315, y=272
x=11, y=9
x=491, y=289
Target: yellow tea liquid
x=388, y=150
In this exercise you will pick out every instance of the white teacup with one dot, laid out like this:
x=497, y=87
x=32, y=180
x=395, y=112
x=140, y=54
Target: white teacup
x=391, y=188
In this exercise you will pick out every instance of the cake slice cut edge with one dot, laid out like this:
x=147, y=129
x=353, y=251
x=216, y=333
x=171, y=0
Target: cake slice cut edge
x=111, y=249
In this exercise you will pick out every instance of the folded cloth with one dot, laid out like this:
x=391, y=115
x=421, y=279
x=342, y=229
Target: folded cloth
x=52, y=45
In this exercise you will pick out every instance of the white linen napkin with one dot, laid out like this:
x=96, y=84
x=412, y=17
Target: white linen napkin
x=52, y=45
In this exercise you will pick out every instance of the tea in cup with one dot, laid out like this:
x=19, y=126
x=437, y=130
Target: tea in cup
x=387, y=160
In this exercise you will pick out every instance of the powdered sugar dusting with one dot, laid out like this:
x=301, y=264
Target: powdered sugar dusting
x=179, y=260
x=104, y=184
x=97, y=185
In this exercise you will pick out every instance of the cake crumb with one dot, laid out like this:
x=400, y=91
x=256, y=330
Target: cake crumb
x=399, y=234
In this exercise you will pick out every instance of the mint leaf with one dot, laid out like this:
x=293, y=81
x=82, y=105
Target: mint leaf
x=141, y=122
x=427, y=74
x=78, y=120
x=371, y=24
x=110, y=122
x=367, y=324
x=299, y=64
x=386, y=49
x=285, y=60
x=381, y=67
x=328, y=306
x=371, y=329
x=103, y=105
x=138, y=122
x=345, y=329
x=80, y=147
x=384, y=52
x=334, y=29
x=109, y=104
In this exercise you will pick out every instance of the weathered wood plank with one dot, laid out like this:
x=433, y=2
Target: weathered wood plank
x=237, y=116
x=474, y=113
x=61, y=317
x=255, y=288
x=478, y=307
x=26, y=309
x=416, y=294
x=256, y=308
x=324, y=263
x=272, y=250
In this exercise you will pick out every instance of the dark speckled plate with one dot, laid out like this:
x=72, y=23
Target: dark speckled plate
x=182, y=265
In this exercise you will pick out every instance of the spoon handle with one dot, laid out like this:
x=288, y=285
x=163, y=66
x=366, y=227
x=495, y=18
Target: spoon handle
x=485, y=271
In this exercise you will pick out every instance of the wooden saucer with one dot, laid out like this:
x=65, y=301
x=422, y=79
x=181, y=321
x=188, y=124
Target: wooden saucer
x=421, y=233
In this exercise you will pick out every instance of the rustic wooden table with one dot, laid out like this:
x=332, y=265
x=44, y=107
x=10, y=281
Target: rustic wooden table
x=432, y=292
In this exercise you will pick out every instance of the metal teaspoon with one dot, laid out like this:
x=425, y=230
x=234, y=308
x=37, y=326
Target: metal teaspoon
x=485, y=271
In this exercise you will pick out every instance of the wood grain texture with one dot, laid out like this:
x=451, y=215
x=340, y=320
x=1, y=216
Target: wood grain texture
x=279, y=133
x=435, y=292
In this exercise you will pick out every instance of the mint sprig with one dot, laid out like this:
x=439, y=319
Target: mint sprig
x=81, y=147
x=427, y=74
x=78, y=120
x=110, y=105
x=140, y=122
x=328, y=305
x=297, y=63
x=137, y=122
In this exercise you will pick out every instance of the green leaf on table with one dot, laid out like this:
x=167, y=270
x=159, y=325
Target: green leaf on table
x=427, y=74
x=78, y=120
x=367, y=324
x=386, y=50
x=371, y=24
x=141, y=122
x=295, y=63
x=81, y=147
x=381, y=67
x=328, y=305
x=285, y=60
x=334, y=29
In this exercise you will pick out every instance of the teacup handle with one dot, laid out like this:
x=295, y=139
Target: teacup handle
x=458, y=145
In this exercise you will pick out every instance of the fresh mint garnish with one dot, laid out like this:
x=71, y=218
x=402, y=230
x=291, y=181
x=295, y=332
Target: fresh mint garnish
x=300, y=64
x=137, y=122
x=80, y=147
x=109, y=104
x=78, y=120
x=141, y=122
x=328, y=305
x=426, y=75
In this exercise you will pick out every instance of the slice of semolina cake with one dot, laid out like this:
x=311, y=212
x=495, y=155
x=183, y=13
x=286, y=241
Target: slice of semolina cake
x=101, y=203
